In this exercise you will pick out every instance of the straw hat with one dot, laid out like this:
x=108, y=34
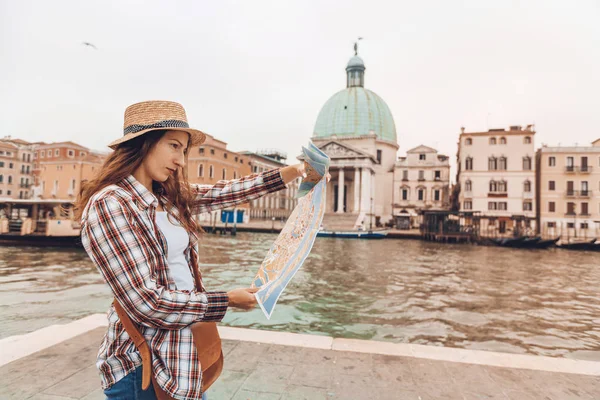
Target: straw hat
x=153, y=115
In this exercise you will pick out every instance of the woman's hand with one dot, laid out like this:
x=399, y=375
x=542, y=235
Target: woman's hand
x=242, y=298
x=295, y=171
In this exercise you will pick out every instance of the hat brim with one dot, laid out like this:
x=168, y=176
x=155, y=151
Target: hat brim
x=196, y=137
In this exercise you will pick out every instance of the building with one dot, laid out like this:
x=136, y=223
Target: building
x=421, y=182
x=275, y=205
x=211, y=162
x=568, y=191
x=60, y=168
x=355, y=128
x=496, y=176
x=16, y=168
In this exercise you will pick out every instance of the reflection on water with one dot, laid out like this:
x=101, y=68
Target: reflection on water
x=510, y=300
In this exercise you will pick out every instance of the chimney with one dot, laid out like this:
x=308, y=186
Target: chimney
x=462, y=129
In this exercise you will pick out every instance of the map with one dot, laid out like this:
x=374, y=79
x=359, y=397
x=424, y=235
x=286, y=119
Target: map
x=292, y=246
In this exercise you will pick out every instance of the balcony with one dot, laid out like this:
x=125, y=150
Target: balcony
x=25, y=185
x=404, y=179
x=570, y=214
x=585, y=169
x=497, y=194
x=421, y=179
x=582, y=194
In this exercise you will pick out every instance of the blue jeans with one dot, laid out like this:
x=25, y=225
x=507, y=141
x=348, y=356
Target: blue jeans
x=130, y=388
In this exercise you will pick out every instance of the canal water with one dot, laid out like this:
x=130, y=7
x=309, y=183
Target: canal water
x=544, y=302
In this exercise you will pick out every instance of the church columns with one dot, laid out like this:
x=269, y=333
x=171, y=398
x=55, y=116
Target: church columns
x=340, y=199
x=365, y=190
x=356, y=205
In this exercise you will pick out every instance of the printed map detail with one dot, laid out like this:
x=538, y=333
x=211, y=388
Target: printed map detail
x=295, y=241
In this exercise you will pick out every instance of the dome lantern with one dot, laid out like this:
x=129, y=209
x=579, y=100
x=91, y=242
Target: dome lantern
x=355, y=70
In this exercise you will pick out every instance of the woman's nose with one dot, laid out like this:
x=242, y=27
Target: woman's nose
x=180, y=161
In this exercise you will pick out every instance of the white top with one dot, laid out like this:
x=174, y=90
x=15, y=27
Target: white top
x=177, y=241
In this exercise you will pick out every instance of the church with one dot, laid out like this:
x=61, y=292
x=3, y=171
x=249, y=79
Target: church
x=355, y=128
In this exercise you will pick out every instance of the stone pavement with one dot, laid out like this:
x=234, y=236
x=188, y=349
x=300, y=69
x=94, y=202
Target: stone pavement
x=262, y=371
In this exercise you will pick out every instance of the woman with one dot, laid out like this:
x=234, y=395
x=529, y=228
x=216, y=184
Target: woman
x=138, y=227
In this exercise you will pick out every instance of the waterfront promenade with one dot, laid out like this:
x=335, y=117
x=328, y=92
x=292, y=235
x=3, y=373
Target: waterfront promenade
x=57, y=363
x=266, y=226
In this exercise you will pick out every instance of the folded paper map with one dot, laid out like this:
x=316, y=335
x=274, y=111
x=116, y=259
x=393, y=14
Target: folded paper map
x=292, y=246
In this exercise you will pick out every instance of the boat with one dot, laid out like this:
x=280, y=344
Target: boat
x=38, y=222
x=585, y=245
x=544, y=244
x=379, y=234
x=523, y=242
x=529, y=242
x=509, y=242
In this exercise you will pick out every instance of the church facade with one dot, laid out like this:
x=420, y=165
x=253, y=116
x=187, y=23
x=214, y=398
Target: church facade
x=355, y=128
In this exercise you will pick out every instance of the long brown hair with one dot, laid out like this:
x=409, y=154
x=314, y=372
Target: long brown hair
x=126, y=158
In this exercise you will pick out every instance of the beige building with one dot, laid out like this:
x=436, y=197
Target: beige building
x=60, y=168
x=421, y=182
x=496, y=177
x=275, y=205
x=568, y=193
x=16, y=168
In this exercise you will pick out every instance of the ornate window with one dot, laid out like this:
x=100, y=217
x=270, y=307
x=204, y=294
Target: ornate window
x=469, y=164
x=468, y=186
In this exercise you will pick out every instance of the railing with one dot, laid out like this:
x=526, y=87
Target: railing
x=584, y=169
x=570, y=214
x=578, y=193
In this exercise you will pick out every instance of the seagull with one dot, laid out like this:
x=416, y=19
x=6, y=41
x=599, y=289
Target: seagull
x=89, y=44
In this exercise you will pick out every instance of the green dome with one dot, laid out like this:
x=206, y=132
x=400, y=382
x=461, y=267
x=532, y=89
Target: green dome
x=356, y=111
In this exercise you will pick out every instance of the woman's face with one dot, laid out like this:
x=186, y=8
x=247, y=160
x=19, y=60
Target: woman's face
x=167, y=155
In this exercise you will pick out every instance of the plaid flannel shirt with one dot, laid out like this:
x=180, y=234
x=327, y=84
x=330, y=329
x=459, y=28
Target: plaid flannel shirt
x=121, y=237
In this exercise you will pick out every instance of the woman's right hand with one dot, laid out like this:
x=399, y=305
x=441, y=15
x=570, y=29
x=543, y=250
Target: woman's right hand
x=242, y=298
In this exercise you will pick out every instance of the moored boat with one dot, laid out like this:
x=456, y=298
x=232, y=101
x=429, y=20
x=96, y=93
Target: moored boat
x=585, y=245
x=40, y=222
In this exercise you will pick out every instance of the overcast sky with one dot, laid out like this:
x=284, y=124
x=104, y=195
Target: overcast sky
x=256, y=73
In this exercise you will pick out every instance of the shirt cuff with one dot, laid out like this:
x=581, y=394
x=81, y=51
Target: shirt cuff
x=272, y=181
x=217, y=306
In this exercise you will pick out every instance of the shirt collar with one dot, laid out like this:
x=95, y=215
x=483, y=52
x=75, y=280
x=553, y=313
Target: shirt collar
x=140, y=192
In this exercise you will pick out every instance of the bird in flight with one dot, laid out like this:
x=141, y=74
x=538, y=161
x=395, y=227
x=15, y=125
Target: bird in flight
x=90, y=45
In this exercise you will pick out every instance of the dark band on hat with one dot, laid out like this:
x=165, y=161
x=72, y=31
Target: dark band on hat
x=171, y=123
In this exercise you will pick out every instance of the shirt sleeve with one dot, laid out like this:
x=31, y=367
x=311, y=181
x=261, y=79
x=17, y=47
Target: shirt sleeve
x=120, y=252
x=225, y=194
